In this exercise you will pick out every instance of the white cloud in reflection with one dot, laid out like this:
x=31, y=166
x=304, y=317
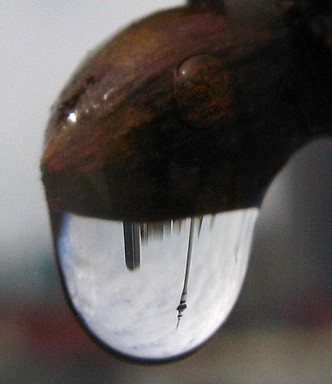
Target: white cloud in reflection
x=135, y=312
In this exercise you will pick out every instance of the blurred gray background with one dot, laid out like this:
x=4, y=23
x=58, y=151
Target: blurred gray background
x=281, y=329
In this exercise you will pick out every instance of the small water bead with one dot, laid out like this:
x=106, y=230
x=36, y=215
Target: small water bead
x=204, y=90
x=179, y=288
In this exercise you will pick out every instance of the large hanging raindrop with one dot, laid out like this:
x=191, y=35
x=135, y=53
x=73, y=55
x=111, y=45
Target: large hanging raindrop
x=156, y=158
x=186, y=282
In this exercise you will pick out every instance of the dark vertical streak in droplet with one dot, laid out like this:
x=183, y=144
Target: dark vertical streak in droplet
x=154, y=230
x=167, y=227
x=177, y=225
x=183, y=300
x=144, y=232
x=132, y=245
x=212, y=221
x=200, y=222
x=239, y=239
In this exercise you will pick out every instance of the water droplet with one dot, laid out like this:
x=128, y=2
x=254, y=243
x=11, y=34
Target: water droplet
x=154, y=291
x=204, y=90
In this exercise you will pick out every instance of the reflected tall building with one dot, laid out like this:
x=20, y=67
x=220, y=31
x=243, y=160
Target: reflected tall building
x=183, y=300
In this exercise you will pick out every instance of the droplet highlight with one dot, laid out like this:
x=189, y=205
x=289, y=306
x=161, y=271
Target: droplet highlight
x=72, y=117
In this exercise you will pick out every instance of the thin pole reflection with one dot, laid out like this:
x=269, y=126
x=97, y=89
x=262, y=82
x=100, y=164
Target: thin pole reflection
x=183, y=300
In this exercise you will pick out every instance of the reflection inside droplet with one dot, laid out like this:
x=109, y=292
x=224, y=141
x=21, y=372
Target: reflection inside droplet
x=155, y=291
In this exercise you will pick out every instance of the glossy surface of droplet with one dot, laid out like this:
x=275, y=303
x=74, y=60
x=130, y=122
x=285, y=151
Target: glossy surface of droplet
x=166, y=291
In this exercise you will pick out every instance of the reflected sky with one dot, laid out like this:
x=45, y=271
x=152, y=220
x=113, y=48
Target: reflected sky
x=135, y=311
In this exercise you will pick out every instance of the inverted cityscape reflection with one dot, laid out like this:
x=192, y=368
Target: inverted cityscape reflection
x=155, y=291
